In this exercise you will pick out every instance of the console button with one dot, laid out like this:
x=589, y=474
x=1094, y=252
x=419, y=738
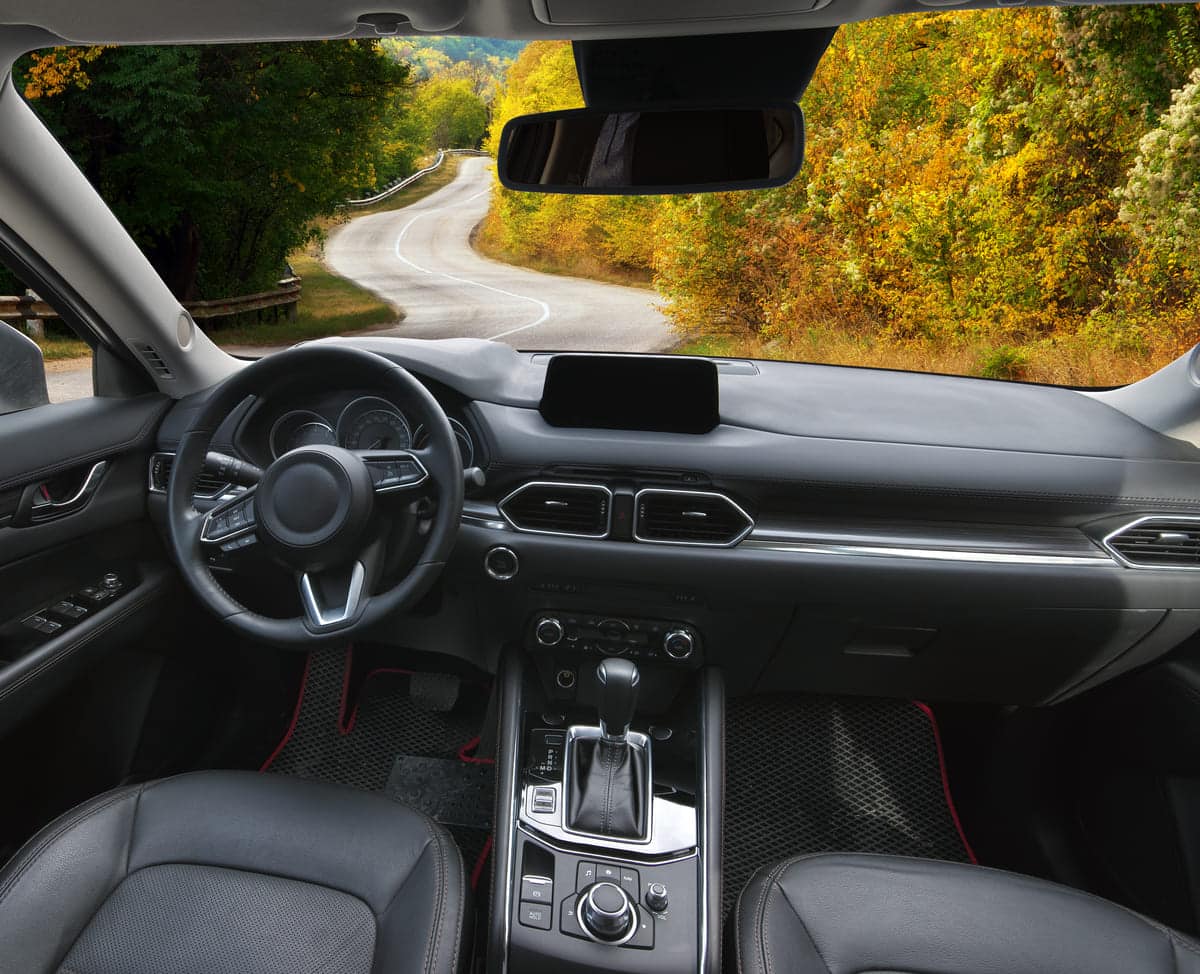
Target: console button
x=630, y=882
x=537, y=889
x=537, y=915
x=544, y=801
x=606, y=873
x=585, y=875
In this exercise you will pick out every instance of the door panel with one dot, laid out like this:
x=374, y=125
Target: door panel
x=81, y=569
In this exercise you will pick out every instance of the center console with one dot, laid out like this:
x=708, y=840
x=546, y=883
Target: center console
x=607, y=837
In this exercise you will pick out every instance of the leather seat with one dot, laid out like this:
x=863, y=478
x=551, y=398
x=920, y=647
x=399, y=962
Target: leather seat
x=235, y=873
x=849, y=914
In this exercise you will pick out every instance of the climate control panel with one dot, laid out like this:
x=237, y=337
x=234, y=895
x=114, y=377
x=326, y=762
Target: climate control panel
x=646, y=640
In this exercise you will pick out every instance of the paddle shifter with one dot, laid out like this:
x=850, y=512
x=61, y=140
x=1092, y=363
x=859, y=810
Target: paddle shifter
x=608, y=789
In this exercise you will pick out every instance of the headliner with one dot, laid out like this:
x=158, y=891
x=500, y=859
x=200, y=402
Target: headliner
x=211, y=21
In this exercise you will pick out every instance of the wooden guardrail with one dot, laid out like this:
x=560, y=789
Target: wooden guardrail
x=285, y=295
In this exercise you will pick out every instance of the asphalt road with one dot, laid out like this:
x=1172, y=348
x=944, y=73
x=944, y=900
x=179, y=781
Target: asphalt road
x=420, y=258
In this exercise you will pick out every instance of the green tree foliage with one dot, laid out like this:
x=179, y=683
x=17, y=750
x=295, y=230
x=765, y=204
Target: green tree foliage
x=219, y=159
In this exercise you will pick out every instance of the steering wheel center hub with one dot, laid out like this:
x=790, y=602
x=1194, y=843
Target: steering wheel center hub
x=313, y=506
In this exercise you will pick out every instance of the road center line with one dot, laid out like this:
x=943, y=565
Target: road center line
x=542, y=305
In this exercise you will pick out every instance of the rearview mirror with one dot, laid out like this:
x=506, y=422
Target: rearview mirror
x=634, y=152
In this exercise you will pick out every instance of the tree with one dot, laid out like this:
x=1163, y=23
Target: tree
x=219, y=159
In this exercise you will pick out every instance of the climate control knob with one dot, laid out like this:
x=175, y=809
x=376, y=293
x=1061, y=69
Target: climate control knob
x=549, y=631
x=679, y=644
x=607, y=913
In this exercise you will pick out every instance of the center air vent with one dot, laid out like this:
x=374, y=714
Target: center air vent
x=689, y=517
x=579, y=510
x=1158, y=542
x=207, y=486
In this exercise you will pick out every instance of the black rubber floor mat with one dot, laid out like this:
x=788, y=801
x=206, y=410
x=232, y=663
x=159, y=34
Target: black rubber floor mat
x=811, y=774
x=448, y=791
x=355, y=742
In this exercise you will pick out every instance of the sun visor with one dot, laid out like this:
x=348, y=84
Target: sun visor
x=709, y=69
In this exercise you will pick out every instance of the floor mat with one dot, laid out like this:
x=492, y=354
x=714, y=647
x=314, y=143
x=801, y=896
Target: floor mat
x=822, y=774
x=395, y=722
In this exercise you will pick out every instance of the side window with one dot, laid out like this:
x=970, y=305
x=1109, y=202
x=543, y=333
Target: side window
x=41, y=359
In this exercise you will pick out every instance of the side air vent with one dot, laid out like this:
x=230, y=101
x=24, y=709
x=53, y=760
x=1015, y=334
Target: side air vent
x=207, y=486
x=578, y=510
x=155, y=361
x=1158, y=542
x=689, y=517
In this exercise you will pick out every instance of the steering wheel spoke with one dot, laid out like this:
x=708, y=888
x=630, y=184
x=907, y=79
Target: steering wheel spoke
x=332, y=598
x=396, y=471
x=231, y=524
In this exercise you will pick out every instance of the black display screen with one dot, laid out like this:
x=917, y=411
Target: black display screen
x=659, y=394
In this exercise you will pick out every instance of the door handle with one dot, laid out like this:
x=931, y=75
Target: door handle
x=48, y=500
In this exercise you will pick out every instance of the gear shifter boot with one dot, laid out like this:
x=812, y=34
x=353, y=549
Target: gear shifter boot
x=608, y=789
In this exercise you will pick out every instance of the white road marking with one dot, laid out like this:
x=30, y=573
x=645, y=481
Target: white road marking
x=545, y=308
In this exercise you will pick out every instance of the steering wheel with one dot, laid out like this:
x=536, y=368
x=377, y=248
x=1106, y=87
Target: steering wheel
x=321, y=511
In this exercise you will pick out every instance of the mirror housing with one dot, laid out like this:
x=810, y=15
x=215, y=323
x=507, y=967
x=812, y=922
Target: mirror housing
x=652, y=152
x=22, y=372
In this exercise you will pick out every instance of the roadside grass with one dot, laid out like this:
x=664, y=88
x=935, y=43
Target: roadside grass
x=329, y=305
x=1069, y=360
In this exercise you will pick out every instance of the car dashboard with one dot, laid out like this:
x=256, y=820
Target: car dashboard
x=839, y=530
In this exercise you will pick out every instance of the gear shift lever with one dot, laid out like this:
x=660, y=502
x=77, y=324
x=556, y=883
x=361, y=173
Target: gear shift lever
x=608, y=777
x=618, y=680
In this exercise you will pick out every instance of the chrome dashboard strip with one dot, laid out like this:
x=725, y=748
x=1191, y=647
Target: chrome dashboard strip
x=801, y=546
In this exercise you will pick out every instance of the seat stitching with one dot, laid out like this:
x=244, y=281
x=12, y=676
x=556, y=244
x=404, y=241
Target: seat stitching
x=760, y=924
x=433, y=945
x=37, y=851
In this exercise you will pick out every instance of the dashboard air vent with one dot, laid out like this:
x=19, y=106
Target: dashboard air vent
x=160, y=475
x=1158, y=542
x=579, y=510
x=689, y=517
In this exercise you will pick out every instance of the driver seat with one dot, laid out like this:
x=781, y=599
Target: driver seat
x=235, y=873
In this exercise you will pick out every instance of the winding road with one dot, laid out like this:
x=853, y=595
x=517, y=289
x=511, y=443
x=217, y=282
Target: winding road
x=420, y=258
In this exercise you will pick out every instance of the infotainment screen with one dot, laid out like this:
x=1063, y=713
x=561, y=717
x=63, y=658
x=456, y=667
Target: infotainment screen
x=662, y=394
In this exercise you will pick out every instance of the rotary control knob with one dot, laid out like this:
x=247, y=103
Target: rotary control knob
x=656, y=897
x=549, y=631
x=679, y=644
x=607, y=913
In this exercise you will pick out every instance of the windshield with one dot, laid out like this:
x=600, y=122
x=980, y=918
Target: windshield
x=1010, y=194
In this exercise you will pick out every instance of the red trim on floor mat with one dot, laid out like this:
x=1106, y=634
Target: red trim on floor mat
x=345, y=727
x=466, y=753
x=477, y=872
x=937, y=740
x=287, y=736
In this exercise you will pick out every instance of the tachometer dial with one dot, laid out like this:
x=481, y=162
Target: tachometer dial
x=466, y=446
x=373, y=424
x=302, y=427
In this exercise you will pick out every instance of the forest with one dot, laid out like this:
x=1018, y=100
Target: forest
x=1009, y=194
x=223, y=160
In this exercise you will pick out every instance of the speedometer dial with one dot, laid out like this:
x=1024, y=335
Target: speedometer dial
x=371, y=423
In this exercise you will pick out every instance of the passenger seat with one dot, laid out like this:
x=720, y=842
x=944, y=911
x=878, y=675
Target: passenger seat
x=848, y=914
